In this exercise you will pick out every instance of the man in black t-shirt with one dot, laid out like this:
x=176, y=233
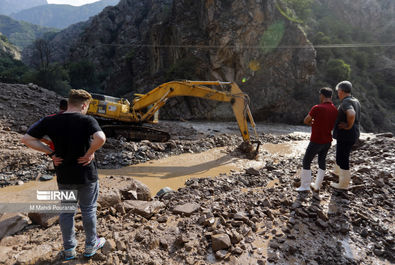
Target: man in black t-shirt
x=76, y=137
x=346, y=132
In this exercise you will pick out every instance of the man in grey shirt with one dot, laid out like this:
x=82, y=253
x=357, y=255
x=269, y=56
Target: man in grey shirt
x=346, y=132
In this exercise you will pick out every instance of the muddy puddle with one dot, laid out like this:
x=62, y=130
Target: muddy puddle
x=26, y=192
x=169, y=172
x=174, y=171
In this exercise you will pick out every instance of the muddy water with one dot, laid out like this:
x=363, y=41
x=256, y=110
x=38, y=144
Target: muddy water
x=174, y=171
x=26, y=192
x=169, y=172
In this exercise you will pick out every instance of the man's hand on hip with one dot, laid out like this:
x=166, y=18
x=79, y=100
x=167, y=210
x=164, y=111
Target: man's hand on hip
x=56, y=160
x=86, y=159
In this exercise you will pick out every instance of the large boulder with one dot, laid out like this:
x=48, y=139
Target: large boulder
x=220, y=241
x=34, y=255
x=109, y=197
x=186, y=209
x=143, y=208
x=44, y=219
x=136, y=190
x=12, y=223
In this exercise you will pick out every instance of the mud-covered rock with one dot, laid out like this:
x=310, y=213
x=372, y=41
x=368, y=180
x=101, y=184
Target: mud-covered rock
x=44, y=219
x=12, y=223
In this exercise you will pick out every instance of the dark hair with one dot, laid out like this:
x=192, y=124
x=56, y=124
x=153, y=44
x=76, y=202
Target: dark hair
x=345, y=86
x=326, y=92
x=63, y=104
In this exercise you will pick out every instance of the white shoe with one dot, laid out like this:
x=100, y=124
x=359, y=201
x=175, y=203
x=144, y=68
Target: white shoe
x=305, y=180
x=336, y=170
x=318, y=182
x=344, y=180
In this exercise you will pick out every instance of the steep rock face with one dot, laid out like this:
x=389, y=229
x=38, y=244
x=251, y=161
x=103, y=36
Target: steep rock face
x=141, y=44
x=61, y=43
x=10, y=6
x=7, y=49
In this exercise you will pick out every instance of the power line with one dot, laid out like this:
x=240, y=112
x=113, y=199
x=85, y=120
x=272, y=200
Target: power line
x=319, y=46
x=200, y=46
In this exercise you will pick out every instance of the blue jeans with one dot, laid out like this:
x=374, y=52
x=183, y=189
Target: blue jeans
x=87, y=198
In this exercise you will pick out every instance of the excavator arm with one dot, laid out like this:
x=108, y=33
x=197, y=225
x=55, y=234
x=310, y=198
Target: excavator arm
x=145, y=106
x=158, y=97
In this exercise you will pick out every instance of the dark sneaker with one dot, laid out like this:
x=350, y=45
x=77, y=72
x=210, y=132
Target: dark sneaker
x=90, y=251
x=69, y=253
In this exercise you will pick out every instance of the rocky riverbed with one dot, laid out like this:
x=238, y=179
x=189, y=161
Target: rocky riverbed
x=250, y=216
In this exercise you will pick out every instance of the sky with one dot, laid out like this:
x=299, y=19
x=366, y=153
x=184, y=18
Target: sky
x=72, y=2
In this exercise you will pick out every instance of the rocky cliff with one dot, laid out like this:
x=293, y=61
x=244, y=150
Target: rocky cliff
x=7, y=49
x=138, y=45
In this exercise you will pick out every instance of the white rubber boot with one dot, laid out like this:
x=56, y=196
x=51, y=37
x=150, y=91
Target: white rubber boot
x=305, y=180
x=318, y=182
x=336, y=170
x=344, y=180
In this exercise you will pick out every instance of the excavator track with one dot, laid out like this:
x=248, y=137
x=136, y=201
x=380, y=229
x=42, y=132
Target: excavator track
x=136, y=132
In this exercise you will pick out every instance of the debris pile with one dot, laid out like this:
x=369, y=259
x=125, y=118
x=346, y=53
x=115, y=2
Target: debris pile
x=249, y=217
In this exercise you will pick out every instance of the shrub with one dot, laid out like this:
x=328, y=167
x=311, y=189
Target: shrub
x=54, y=78
x=82, y=74
x=337, y=70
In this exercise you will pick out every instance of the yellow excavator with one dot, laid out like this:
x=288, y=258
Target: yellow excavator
x=118, y=117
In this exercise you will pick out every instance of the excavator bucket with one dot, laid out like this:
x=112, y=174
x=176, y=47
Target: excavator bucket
x=241, y=110
x=248, y=149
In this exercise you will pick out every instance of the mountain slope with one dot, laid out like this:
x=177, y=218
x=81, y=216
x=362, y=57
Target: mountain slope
x=262, y=46
x=20, y=33
x=11, y=6
x=137, y=45
x=61, y=16
x=7, y=49
x=11, y=68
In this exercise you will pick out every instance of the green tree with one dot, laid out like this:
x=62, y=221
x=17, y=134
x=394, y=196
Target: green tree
x=302, y=8
x=42, y=51
x=323, y=53
x=82, y=74
x=54, y=78
x=11, y=70
x=337, y=70
x=295, y=10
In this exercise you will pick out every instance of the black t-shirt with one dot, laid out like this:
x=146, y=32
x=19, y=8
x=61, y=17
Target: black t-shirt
x=352, y=134
x=71, y=134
